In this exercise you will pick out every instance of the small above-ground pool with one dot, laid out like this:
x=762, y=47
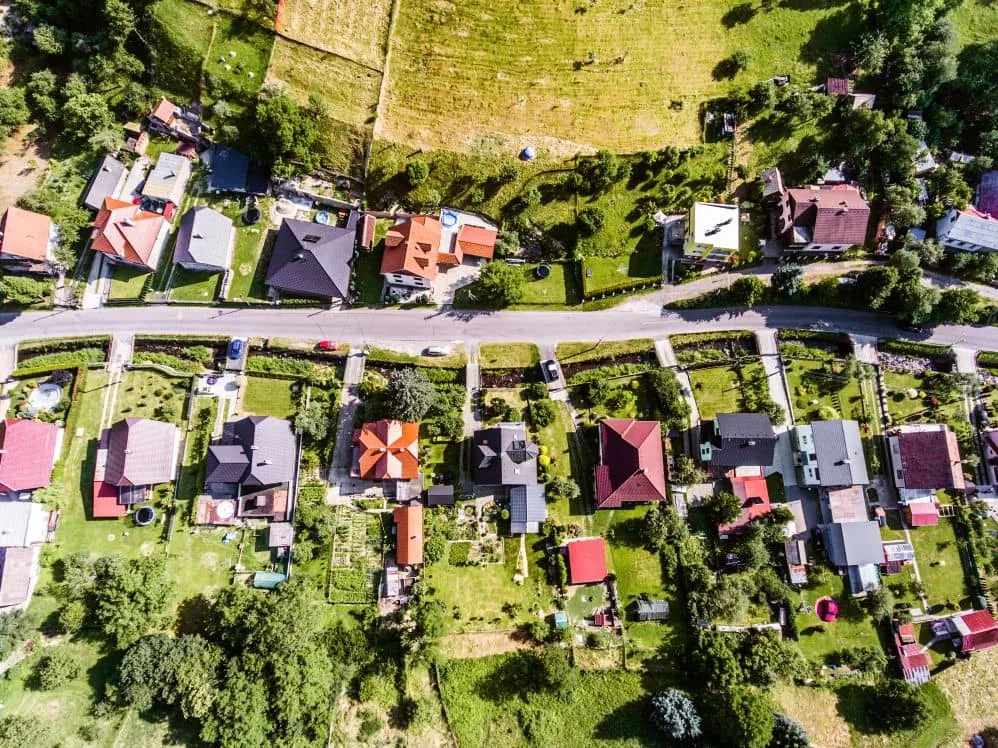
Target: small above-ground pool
x=144, y=515
x=827, y=609
x=322, y=217
x=448, y=219
x=542, y=271
x=44, y=398
x=252, y=215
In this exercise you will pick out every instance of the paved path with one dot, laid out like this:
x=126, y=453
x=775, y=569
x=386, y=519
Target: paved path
x=353, y=373
x=944, y=282
x=783, y=459
x=865, y=349
x=8, y=360
x=664, y=353
x=122, y=346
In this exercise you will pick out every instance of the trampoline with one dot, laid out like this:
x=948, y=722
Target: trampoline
x=448, y=219
x=542, y=271
x=144, y=515
x=252, y=215
x=44, y=398
x=827, y=609
x=322, y=217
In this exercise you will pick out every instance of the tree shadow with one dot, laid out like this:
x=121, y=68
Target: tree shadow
x=627, y=722
x=192, y=614
x=516, y=676
x=738, y=15
x=726, y=69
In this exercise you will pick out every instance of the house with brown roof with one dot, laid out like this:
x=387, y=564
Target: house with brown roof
x=133, y=455
x=417, y=248
x=925, y=458
x=126, y=233
x=27, y=454
x=408, y=535
x=386, y=450
x=631, y=465
x=822, y=219
x=27, y=241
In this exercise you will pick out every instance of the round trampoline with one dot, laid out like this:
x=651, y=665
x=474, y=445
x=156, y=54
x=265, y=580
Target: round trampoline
x=827, y=609
x=322, y=217
x=45, y=397
x=144, y=515
x=542, y=271
x=225, y=510
x=252, y=215
x=448, y=219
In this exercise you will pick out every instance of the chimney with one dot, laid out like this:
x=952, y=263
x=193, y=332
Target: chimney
x=298, y=257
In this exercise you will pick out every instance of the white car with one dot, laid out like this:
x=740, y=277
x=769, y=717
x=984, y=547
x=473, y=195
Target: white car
x=437, y=350
x=550, y=370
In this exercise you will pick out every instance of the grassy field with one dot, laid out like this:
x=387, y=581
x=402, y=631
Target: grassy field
x=355, y=30
x=975, y=21
x=264, y=396
x=508, y=355
x=558, y=74
x=645, y=263
x=143, y=394
x=487, y=700
x=716, y=390
x=854, y=628
x=570, y=458
x=187, y=285
x=818, y=388
x=127, y=283
x=972, y=690
x=560, y=288
x=576, y=353
x=939, y=564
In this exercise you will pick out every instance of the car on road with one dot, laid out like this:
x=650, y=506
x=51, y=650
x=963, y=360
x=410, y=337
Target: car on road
x=235, y=349
x=550, y=370
x=437, y=350
x=327, y=345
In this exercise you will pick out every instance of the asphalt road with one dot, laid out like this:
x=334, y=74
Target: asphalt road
x=427, y=326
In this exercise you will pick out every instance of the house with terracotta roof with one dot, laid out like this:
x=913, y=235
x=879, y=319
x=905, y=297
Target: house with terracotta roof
x=386, y=450
x=586, y=560
x=133, y=455
x=27, y=454
x=27, y=241
x=24, y=527
x=126, y=233
x=925, y=458
x=175, y=121
x=749, y=485
x=973, y=631
x=408, y=535
x=822, y=219
x=631, y=465
x=419, y=247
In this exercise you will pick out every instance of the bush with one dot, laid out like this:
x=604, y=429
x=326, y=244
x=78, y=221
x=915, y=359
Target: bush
x=56, y=669
x=542, y=413
x=591, y=220
x=72, y=617
x=417, y=172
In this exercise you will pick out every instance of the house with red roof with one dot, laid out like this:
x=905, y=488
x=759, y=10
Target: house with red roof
x=27, y=454
x=915, y=663
x=749, y=485
x=27, y=241
x=925, y=458
x=126, y=233
x=408, y=535
x=973, y=631
x=822, y=219
x=386, y=450
x=586, y=560
x=631, y=465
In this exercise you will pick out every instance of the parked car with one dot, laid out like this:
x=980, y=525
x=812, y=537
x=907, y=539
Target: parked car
x=327, y=345
x=550, y=370
x=235, y=349
x=437, y=350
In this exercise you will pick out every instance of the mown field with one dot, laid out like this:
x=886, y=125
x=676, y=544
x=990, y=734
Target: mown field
x=354, y=30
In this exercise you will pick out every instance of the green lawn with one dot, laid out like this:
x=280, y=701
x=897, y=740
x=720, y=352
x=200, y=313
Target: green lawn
x=638, y=402
x=716, y=390
x=905, y=409
x=367, y=275
x=486, y=698
x=575, y=353
x=264, y=396
x=570, y=457
x=644, y=264
x=187, y=285
x=514, y=397
x=939, y=564
x=197, y=560
x=438, y=457
x=508, y=355
x=127, y=283
x=249, y=263
x=457, y=358
x=560, y=288
x=854, y=628
x=819, y=388
x=146, y=393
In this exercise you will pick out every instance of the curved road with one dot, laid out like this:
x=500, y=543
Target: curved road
x=430, y=325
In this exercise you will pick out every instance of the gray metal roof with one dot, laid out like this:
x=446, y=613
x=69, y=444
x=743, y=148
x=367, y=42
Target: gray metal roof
x=440, y=495
x=653, y=606
x=104, y=182
x=22, y=523
x=743, y=439
x=840, y=453
x=854, y=543
x=204, y=237
x=504, y=456
x=311, y=259
x=965, y=227
x=280, y=535
x=255, y=451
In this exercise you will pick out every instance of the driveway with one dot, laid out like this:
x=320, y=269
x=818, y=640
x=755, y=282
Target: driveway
x=448, y=281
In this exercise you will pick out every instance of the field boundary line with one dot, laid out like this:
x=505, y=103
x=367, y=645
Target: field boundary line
x=327, y=51
x=379, y=110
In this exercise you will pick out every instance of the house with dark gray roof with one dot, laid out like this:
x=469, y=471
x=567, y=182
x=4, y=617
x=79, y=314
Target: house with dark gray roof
x=737, y=440
x=527, y=509
x=830, y=454
x=502, y=455
x=205, y=241
x=255, y=452
x=107, y=181
x=312, y=260
x=856, y=547
x=132, y=455
x=231, y=171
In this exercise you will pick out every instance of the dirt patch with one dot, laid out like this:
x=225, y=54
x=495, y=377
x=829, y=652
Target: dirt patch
x=500, y=378
x=147, y=548
x=209, y=560
x=22, y=165
x=467, y=646
x=972, y=689
x=816, y=710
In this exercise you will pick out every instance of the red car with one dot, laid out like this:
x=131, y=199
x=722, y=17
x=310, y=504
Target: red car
x=327, y=345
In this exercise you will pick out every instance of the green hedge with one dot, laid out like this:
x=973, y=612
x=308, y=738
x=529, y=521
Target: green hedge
x=697, y=338
x=56, y=345
x=458, y=553
x=165, y=359
x=988, y=359
x=64, y=360
x=909, y=348
x=700, y=356
x=610, y=372
x=295, y=367
x=830, y=337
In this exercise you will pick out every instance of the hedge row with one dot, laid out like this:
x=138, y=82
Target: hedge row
x=165, y=359
x=988, y=359
x=58, y=345
x=64, y=360
x=697, y=338
x=830, y=337
x=909, y=348
x=295, y=367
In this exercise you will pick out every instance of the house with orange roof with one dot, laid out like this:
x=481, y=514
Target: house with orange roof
x=417, y=248
x=386, y=450
x=27, y=241
x=749, y=485
x=408, y=535
x=126, y=233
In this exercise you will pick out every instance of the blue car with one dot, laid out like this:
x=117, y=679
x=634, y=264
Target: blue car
x=235, y=349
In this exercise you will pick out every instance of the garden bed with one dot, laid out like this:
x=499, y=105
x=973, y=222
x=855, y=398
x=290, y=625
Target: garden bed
x=811, y=344
x=500, y=378
x=713, y=346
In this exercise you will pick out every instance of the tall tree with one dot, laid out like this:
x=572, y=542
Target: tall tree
x=675, y=715
x=500, y=284
x=130, y=596
x=409, y=395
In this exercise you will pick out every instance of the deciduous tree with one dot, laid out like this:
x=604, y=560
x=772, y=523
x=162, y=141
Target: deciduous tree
x=500, y=284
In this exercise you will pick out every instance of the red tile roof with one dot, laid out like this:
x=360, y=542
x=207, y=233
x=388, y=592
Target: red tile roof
x=413, y=247
x=476, y=241
x=930, y=460
x=836, y=214
x=105, y=495
x=387, y=450
x=922, y=513
x=164, y=111
x=906, y=632
x=125, y=231
x=632, y=467
x=753, y=493
x=587, y=560
x=28, y=453
x=25, y=234
x=408, y=535
x=978, y=628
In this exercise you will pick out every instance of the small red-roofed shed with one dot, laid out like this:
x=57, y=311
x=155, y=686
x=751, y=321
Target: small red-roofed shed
x=586, y=561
